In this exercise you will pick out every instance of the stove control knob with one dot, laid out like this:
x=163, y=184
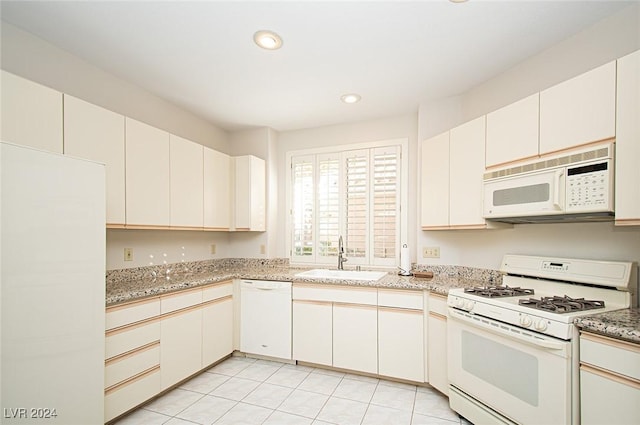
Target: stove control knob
x=525, y=321
x=468, y=305
x=459, y=303
x=541, y=325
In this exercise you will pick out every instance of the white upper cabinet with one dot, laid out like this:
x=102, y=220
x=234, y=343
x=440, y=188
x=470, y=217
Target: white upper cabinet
x=217, y=201
x=512, y=132
x=435, y=181
x=31, y=114
x=186, y=160
x=250, y=192
x=148, y=181
x=94, y=133
x=452, y=169
x=628, y=141
x=579, y=110
x=466, y=167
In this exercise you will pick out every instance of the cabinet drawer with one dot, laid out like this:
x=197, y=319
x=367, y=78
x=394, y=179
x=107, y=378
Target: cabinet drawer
x=129, y=365
x=438, y=303
x=219, y=290
x=339, y=294
x=400, y=298
x=131, y=394
x=125, y=314
x=179, y=300
x=123, y=340
x=617, y=356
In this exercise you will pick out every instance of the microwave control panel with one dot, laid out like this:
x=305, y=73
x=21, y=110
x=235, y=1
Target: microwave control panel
x=588, y=187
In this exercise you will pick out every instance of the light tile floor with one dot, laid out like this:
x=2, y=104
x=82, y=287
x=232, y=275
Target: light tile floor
x=247, y=391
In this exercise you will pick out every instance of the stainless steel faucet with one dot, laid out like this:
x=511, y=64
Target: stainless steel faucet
x=341, y=258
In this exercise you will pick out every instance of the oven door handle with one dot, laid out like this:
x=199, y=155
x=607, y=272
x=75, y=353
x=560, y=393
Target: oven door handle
x=503, y=330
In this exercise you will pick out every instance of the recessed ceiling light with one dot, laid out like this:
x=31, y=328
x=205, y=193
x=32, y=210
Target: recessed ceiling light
x=350, y=98
x=458, y=1
x=267, y=40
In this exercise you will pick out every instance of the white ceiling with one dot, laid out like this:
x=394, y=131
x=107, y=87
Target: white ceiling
x=396, y=55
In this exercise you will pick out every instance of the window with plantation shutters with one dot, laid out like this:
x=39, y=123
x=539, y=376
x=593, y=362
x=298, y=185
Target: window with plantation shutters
x=385, y=202
x=302, y=210
x=356, y=204
x=352, y=193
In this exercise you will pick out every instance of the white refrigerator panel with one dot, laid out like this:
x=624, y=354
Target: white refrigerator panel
x=52, y=289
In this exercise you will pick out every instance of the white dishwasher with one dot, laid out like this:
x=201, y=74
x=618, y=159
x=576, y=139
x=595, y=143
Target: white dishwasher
x=265, y=318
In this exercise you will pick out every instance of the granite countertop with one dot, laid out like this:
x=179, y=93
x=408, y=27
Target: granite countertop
x=148, y=286
x=620, y=324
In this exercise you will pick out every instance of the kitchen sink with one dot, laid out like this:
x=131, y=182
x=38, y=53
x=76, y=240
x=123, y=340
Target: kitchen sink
x=342, y=274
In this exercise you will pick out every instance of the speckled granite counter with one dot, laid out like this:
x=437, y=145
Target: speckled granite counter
x=141, y=283
x=621, y=324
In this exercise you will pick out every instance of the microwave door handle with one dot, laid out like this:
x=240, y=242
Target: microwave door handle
x=556, y=190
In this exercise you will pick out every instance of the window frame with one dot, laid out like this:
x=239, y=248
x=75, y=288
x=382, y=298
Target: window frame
x=402, y=144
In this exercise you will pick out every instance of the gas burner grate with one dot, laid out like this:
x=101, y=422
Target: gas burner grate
x=564, y=304
x=499, y=291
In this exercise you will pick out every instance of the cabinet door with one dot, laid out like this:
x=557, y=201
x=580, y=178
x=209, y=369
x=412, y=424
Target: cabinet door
x=579, y=110
x=250, y=190
x=435, y=182
x=437, y=343
x=512, y=132
x=217, y=206
x=466, y=166
x=608, y=399
x=312, y=332
x=31, y=114
x=180, y=346
x=355, y=337
x=627, y=141
x=186, y=176
x=147, y=171
x=400, y=343
x=217, y=330
x=94, y=133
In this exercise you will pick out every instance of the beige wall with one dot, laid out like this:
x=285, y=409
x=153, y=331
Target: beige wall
x=603, y=42
x=158, y=246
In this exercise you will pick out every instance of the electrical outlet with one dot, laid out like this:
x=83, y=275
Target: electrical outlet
x=213, y=248
x=128, y=254
x=431, y=252
x=263, y=249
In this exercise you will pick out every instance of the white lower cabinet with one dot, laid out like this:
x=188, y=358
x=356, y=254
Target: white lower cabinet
x=181, y=346
x=609, y=381
x=313, y=332
x=437, y=343
x=377, y=331
x=135, y=392
x=355, y=337
x=155, y=343
x=401, y=334
x=217, y=330
x=401, y=343
x=132, y=356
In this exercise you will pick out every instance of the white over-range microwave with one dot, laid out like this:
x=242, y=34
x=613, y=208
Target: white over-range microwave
x=575, y=186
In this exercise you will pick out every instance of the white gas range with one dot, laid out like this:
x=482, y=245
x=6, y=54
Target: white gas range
x=513, y=348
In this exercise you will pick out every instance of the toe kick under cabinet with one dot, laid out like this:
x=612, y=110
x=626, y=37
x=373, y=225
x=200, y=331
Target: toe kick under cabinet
x=156, y=343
